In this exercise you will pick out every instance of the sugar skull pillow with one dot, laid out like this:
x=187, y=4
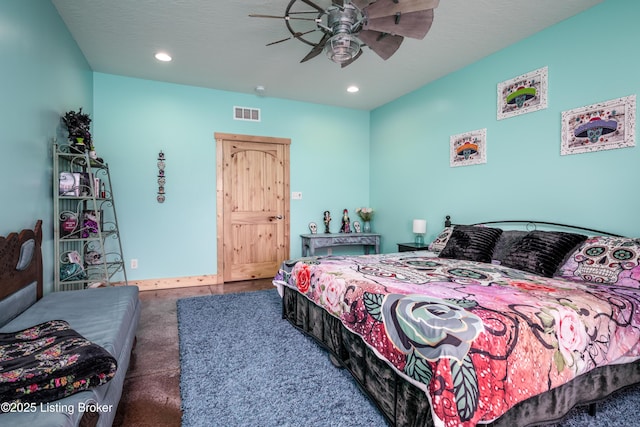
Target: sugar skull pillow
x=607, y=260
x=441, y=241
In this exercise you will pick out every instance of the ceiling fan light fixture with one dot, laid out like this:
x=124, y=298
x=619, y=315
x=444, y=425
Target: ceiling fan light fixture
x=342, y=47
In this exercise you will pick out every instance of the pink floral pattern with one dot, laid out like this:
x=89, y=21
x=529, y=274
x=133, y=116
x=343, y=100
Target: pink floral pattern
x=478, y=338
x=331, y=290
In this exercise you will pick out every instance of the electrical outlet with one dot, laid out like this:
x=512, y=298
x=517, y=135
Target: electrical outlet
x=296, y=195
x=134, y=263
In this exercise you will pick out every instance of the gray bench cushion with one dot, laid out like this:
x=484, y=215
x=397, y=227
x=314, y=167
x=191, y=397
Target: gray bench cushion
x=101, y=315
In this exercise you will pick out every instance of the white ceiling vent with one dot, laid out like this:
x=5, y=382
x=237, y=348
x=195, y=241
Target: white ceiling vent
x=246, y=113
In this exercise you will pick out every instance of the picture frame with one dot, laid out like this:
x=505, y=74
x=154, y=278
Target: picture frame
x=606, y=125
x=523, y=94
x=468, y=148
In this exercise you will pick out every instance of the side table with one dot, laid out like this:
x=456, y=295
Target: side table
x=312, y=241
x=406, y=247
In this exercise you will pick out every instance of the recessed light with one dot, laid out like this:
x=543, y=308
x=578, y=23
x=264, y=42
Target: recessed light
x=162, y=56
x=353, y=89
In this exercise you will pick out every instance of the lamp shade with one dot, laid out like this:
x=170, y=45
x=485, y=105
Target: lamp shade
x=419, y=226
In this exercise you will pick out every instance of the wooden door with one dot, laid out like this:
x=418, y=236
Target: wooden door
x=253, y=221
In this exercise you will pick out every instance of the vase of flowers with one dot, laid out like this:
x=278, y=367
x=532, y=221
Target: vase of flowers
x=365, y=214
x=78, y=125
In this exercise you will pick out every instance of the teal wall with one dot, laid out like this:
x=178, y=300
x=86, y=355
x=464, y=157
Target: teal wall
x=43, y=74
x=591, y=57
x=135, y=119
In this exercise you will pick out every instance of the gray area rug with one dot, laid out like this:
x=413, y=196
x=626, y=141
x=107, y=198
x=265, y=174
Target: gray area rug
x=243, y=365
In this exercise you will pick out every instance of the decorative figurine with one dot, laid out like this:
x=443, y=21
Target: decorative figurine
x=327, y=220
x=346, y=222
x=356, y=226
x=313, y=227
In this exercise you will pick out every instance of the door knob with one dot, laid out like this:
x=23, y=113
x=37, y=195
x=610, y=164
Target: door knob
x=271, y=218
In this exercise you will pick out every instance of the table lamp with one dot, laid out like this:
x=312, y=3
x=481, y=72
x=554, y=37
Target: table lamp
x=419, y=229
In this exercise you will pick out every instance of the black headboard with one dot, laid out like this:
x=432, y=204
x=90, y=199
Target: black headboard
x=531, y=225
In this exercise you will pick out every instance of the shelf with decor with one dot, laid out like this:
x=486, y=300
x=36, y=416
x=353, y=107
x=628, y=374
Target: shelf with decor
x=87, y=245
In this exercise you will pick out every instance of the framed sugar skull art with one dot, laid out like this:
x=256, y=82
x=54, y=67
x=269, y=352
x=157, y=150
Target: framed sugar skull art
x=469, y=148
x=523, y=94
x=603, y=126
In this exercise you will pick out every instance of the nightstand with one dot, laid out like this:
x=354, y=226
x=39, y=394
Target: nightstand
x=406, y=247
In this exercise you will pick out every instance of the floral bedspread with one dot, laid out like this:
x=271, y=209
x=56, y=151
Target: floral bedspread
x=477, y=338
x=49, y=361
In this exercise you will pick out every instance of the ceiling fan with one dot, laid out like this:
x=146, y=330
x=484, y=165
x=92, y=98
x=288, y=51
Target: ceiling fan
x=343, y=27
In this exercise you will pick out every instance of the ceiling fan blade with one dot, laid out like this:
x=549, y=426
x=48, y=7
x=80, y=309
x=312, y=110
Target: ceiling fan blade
x=286, y=17
x=415, y=25
x=317, y=49
x=383, y=44
x=295, y=36
x=384, y=8
x=344, y=64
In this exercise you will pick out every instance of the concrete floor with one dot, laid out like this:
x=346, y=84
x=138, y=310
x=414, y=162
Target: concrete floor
x=151, y=394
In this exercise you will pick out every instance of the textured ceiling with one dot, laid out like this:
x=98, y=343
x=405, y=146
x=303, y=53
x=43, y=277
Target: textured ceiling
x=217, y=45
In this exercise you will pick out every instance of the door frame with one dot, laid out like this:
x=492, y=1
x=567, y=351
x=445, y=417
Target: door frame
x=220, y=138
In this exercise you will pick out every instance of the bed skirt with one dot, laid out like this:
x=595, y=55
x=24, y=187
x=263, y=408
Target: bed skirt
x=405, y=405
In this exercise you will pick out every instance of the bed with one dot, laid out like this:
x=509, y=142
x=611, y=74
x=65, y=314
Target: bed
x=498, y=324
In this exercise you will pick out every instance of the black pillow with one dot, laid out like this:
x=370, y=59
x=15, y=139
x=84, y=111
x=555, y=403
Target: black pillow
x=506, y=240
x=471, y=243
x=541, y=252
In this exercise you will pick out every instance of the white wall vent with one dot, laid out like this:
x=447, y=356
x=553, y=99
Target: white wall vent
x=246, y=113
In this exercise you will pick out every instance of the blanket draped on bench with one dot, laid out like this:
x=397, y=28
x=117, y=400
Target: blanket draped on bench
x=50, y=361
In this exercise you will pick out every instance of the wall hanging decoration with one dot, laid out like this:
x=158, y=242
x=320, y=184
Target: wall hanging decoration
x=161, y=177
x=603, y=126
x=523, y=94
x=469, y=148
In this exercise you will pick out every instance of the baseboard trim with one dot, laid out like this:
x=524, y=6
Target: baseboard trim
x=172, y=283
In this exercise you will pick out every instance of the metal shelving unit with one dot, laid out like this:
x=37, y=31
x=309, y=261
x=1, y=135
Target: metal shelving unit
x=88, y=250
